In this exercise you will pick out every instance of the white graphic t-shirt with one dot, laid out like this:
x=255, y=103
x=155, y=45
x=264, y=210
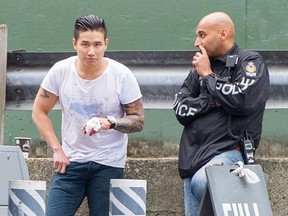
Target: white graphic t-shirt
x=82, y=99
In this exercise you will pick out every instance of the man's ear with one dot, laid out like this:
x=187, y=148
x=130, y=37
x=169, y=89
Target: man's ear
x=106, y=43
x=223, y=34
x=74, y=42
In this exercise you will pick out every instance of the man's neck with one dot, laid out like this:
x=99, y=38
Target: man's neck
x=91, y=72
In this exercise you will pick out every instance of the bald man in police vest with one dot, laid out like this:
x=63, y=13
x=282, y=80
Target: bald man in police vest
x=220, y=104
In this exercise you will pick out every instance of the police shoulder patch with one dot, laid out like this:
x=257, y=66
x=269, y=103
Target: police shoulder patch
x=251, y=69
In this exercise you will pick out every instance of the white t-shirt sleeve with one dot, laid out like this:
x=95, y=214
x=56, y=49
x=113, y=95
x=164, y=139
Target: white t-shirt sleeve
x=50, y=81
x=56, y=75
x=130, y=90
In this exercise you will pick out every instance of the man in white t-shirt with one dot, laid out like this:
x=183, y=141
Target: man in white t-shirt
x=101, y=102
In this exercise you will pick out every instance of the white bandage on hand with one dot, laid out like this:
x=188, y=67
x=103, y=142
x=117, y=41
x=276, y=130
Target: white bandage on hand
x=92, y=124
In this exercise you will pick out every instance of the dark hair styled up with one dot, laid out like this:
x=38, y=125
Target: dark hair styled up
x=89, y=22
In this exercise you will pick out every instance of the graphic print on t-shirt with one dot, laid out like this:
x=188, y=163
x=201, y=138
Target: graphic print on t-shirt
x=81, y=108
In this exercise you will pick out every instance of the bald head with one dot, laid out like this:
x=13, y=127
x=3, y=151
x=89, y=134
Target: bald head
x=219, y=21
x=215, y=32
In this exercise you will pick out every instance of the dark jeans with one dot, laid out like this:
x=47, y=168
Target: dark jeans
x=68, y=190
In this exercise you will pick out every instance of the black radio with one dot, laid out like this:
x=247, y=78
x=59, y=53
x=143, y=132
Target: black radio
x=247, y=149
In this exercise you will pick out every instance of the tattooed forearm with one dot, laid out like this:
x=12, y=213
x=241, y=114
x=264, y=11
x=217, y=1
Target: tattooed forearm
x=130, y=124
x=134, y=119
x=44, y=94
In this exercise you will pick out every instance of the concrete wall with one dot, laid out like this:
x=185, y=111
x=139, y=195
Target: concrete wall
x=164, y=187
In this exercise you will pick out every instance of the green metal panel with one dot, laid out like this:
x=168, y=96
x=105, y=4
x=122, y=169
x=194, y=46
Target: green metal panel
x=275, y=127
x=161, y=126
x=267, y=26
x=18, y=123
x=37, y=25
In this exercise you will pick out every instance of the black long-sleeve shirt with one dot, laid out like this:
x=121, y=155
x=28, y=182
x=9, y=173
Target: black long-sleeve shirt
x=216, y=111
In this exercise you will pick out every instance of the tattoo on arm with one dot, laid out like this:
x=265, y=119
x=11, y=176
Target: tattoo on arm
x=134, y=119
x=44, y=94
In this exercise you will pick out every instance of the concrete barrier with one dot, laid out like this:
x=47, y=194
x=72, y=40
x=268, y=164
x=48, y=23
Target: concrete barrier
x=164, y=187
